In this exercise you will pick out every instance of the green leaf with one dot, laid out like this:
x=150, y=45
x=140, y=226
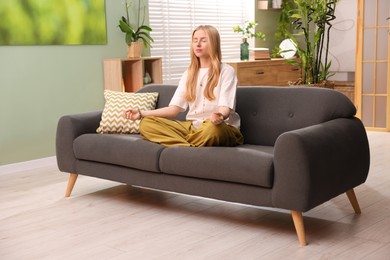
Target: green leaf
x=296, y=16
x=144, y=34
x=145, y=27
x=293, y=62
x=145, y=40
x=125, y=27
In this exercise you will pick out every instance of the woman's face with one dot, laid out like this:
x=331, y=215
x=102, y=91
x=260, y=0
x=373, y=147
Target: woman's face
x=200, y=44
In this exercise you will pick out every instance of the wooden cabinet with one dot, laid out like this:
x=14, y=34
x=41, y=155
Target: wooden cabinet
x=128, y=74
x=275, y=72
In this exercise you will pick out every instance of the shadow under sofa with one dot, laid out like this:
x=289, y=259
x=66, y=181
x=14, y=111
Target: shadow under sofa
x=303, y=146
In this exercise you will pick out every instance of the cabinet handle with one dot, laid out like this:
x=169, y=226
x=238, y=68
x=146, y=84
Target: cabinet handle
x=294, y=69
x=259, y=72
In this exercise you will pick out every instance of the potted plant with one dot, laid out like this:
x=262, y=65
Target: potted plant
x=137, y=35
x=312, y=21
x=247, y=31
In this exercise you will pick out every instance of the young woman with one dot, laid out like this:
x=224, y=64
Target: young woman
x=208, y=88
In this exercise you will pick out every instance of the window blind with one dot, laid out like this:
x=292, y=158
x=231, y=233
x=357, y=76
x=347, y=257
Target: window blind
x=174, y=20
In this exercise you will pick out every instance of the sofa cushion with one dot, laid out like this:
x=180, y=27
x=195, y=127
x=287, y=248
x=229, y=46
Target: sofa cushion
x=126, y=150
x=116, y=102
x=247, y=164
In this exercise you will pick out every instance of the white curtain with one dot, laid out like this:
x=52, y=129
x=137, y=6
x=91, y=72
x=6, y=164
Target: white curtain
x=174, y=20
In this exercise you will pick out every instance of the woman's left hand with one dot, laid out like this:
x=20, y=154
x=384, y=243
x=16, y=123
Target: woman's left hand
x=216, y=118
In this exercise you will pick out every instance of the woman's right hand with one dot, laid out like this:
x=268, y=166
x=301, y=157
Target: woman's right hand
x=132, y=114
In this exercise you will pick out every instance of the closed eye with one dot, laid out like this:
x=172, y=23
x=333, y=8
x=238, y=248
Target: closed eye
x=196, y=40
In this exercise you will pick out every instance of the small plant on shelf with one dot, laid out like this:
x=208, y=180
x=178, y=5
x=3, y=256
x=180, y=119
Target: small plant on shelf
x=247, y=31
x=138, y=31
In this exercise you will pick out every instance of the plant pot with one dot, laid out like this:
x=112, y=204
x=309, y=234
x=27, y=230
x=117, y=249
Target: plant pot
x=135, y=50
x=323, y=84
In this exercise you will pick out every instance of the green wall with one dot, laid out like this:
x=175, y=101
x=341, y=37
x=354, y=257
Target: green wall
x=268, y=23
x=39, y=84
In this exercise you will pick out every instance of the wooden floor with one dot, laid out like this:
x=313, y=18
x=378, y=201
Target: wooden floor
x=108, y=220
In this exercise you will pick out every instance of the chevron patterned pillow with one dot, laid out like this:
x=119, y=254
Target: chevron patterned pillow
x=113, y=122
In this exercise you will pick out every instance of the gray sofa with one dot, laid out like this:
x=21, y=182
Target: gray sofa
x=303, y=147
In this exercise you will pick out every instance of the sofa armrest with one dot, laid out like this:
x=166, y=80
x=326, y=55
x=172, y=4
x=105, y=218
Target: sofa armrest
x=317, y=163
x=69, y=128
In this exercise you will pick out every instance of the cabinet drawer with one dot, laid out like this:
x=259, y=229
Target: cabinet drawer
x=278, y=75
x=287, y=73
x=265, y=73
x=256, y=75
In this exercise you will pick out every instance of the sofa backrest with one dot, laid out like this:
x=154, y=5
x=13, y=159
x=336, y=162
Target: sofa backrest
x=267, y=112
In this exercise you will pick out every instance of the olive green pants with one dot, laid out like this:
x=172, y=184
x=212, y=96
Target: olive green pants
x=182, y=133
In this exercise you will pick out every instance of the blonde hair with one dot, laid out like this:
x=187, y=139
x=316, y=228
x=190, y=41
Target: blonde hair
x=214, y=70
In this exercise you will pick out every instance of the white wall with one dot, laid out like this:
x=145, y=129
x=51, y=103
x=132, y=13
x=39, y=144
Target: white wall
x=343, y=40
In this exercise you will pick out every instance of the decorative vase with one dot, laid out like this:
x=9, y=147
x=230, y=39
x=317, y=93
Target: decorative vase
x=135, y=50
x=244, y=49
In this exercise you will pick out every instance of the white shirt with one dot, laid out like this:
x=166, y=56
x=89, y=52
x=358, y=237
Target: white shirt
x=201, y=108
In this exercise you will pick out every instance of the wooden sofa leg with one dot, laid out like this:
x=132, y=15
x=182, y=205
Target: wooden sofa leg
x=299, y=227
x=352, y=198
x=71, y=182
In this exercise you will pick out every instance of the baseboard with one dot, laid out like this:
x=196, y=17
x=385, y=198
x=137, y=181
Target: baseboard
x=27, y=165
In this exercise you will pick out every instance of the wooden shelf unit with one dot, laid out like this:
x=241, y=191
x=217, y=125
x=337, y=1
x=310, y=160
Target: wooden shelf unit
x=126, y=74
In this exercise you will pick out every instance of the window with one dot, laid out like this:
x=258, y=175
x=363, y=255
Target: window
x=173, y=21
